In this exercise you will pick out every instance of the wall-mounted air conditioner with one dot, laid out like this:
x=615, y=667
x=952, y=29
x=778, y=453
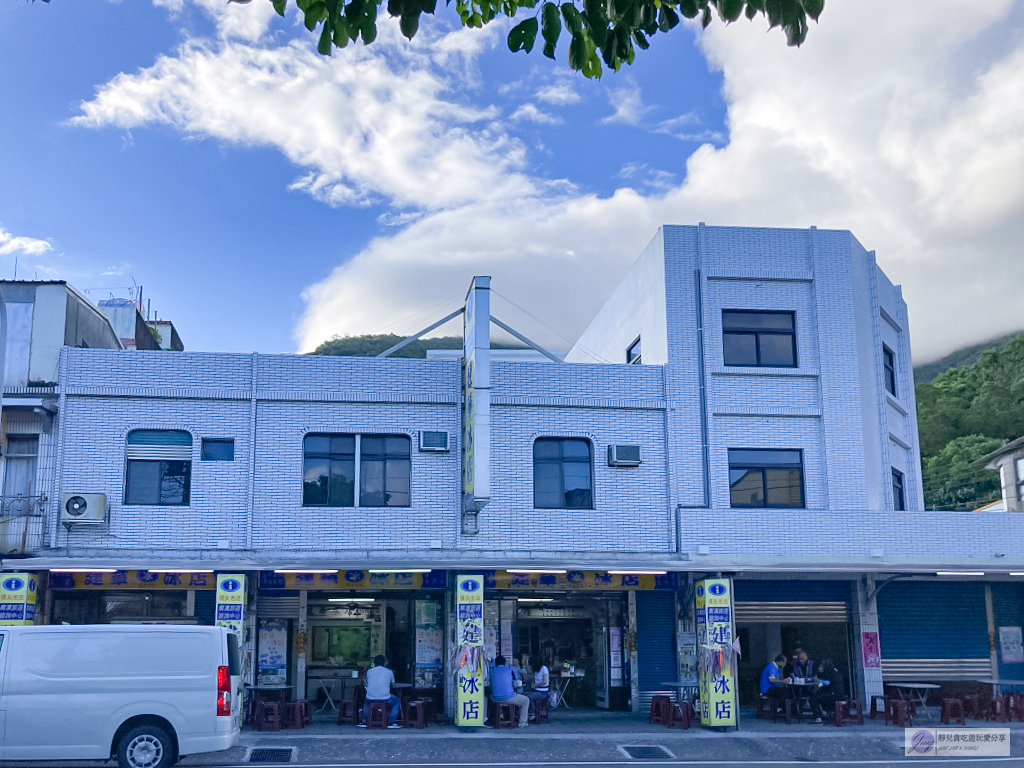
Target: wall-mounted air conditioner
x=624, y=456
x=434, y=442
x=83, y=509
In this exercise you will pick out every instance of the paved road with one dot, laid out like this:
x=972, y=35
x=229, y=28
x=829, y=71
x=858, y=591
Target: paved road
x=951, y=763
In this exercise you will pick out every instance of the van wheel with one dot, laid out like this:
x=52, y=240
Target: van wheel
x=145, y=746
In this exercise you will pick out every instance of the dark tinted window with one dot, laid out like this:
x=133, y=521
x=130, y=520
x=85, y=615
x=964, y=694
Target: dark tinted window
x=898, y=499
x=384, y=471
x=766, y=339
x=889, y=362
x=765, y=478
x=165, y=483
x=218, y=449
x=329, y=470
x=633, y=353
x=234, y=657
x=562, y=474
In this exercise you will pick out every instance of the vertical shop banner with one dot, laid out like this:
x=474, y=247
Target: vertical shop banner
x=872, y=653
x=273, y=649
x=469, y=671
x=231, y=602
x=17, y=599
x=716, y=654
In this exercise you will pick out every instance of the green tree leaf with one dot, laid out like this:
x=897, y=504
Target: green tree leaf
x=314, y=14
x=325, y=44
x=409, y=24
x=523, y=35
x=279, y=6
x=551, y=28
x=730, y=10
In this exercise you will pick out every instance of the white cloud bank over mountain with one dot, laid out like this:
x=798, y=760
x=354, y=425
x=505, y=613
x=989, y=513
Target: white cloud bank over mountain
x=909, y=132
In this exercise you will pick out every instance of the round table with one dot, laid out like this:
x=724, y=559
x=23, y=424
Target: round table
x=680, y=688
x=916, y=694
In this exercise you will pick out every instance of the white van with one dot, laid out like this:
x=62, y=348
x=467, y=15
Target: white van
x=146, y=695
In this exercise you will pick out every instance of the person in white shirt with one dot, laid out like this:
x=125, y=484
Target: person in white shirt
x=541, y=680
x=378, y=688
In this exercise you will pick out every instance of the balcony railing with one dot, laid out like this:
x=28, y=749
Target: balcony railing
x=22, y=524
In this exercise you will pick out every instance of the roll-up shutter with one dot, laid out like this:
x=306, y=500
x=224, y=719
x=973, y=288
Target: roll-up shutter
x=1008, y=611
x=160, y=445
x=792, y=600
x=206, y=606
x=933, y=631
x=278, y=607
x=655, y=643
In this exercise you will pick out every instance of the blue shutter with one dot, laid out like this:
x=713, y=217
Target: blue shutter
x=1008, y=610
x=655, y=639
x=933, y=621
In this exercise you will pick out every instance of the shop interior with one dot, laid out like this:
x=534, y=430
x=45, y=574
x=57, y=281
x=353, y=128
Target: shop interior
x=574, y=635
x=762, y=641
x=133, y=607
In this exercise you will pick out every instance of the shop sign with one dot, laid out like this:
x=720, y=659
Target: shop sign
x=273, y=649
x=231, y=595
x=577, y=580
x=872, y=652
x=716, y=656
x=17, y=599
x=353, y=579
x=1010, y=645
x=469, y=674
x=132, y=580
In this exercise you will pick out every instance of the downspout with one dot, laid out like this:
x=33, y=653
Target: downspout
x=705, y=451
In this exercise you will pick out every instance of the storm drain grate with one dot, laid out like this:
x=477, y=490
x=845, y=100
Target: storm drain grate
x=648, y=753
x=271, y=755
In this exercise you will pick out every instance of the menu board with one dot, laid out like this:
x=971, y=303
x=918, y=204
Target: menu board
x=273, y=658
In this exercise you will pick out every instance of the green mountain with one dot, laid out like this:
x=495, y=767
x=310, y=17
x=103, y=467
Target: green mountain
x=964, y=413
x=372, y=344
x=958, y=359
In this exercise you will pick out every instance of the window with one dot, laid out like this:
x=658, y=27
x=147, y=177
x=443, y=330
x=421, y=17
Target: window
x=889, y=361
x=898, y=500
x=562, y=474
x=633, y=353
x=384, y=469
x=218, y=449
x=330, y=470
x=1019, y=463
x=159, y=467
x=766, y=478
x=20, y=465
x=759, y=338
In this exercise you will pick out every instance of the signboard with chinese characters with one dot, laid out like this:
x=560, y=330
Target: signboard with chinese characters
x=230, y=601
x=1010, y=646
x=716, y=659
x=469, y=639
x=353, y=579
x=476, y=415
x=578, y=580
x=17, y=599
x=872, y=654
x=132, y=580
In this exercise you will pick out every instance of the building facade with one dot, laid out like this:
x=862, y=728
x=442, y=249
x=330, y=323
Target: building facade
x=742, y=405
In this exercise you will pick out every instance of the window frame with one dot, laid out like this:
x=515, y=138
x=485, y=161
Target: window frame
x=357, y=458
x=764, y=477
x=561, y=461
x=186, y=494
x=636, y=359
x=889, y=370
x=757, y=333
x=899, y=490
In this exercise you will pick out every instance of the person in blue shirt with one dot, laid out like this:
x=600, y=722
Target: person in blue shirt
x=772, y=681
x=503, y=689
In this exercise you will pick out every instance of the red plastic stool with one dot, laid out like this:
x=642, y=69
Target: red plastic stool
x=504, y=714
x=540, y=711
x=849, y=711
x=897, y=712
x=416, y=714
x=377, y=716
x=297, y=714
x=875, y=711
x=952, y=709
x=268, y=716
x=682, y=716
x=661, y=711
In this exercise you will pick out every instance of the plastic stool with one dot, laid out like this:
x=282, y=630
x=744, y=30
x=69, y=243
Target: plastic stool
x=875, y=711
x=849, y=711
x=765, y=708
x=790, y=708
x=897, y=712
x=504, y=715
x=952, y=709
x=661, y=711
x=540, y=711
x=416, y=714
x=1000, y=710
x=681, y=716
x=377, y=715
x=268, y=716
x=297, y=714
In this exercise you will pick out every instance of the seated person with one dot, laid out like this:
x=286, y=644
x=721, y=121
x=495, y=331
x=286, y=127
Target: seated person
x=825, y=697
x=773, y=684
x=541, y=679
x=800, y=665
x=503, y=690
x=378, y=688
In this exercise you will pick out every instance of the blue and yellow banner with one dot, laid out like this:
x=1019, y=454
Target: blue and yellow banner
x=133, y=580
x=716, y=658
x=578, y=580
x=469, y=640
x=17, y=599
x=352, y=579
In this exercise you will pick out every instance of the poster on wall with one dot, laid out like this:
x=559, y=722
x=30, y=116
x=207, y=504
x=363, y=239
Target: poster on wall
x=429, y=644
x=1010, y=645
x=872, y=654
x=273, y=648
x=716, y=658
x=469, y=639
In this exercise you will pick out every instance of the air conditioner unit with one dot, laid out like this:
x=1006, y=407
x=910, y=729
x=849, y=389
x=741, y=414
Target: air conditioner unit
x=434, y=442
x=624, y=456
x=83, y=509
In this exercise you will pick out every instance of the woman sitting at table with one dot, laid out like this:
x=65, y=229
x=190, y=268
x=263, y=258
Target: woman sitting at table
x=824, y=699
x=541, y=680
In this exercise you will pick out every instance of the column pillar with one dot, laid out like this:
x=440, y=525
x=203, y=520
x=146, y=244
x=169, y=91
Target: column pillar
x=867, y=649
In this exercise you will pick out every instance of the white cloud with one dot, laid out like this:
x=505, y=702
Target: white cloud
x=561, y=94
x=530, y=113
x=909, y=133
x=30, y=246
x=628, y=104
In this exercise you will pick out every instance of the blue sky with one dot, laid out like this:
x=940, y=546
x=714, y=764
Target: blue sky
x=267, y=198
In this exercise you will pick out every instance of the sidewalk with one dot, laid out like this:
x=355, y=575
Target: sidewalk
x=586, y=736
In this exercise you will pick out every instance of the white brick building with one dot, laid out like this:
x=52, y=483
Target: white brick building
x=774, y=410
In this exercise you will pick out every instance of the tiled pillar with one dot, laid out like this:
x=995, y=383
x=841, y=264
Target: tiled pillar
x=865, y=624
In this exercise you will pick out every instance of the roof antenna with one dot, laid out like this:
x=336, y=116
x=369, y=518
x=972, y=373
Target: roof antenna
x=15, y=267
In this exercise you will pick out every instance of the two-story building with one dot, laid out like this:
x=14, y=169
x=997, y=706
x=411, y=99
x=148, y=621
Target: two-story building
x=743, y=404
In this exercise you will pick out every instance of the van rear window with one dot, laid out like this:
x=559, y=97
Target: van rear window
x=234, y=656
